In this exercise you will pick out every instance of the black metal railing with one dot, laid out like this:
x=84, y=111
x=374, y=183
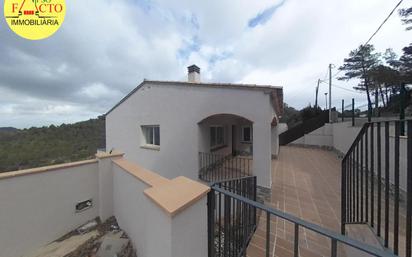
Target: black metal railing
x=216, y=167
x=232, y=222
x=377, y=183
x=303, y=128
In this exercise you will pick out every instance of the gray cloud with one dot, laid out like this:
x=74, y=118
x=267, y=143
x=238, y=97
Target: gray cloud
x=105, y=48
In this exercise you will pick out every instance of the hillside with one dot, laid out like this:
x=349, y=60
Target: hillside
x=35, y=147
x=8, y=129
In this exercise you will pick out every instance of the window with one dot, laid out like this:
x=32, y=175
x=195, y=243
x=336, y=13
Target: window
x=246, y=134
x=216, y=136
x=151, y=135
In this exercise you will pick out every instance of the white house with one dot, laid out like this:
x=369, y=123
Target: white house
x=166, y=125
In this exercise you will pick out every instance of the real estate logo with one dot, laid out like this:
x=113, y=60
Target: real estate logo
x=34, y=19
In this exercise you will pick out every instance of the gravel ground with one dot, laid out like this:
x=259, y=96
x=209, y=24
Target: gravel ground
x=90, y=248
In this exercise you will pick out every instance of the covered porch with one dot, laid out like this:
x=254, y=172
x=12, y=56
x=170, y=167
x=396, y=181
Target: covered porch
x=225, y=147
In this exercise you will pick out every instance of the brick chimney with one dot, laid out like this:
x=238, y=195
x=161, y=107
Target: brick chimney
x=193, y=75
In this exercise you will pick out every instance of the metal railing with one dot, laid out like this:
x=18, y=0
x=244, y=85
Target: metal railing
x=376, y=181
x=303, y=128
x=216, y=167
x=232, y=222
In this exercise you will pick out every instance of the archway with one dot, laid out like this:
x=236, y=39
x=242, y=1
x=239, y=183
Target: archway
x=225, y=147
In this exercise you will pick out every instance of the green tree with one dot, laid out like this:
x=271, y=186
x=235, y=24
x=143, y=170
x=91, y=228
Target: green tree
x=358, y=66
x=405, y=66
x=406, y=15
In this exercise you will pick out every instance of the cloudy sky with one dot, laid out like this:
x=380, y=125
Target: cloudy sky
x=106, y=47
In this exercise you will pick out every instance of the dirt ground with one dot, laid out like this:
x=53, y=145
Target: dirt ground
x=91, y=246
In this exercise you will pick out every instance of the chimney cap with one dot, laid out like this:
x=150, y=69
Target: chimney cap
x=193, y=68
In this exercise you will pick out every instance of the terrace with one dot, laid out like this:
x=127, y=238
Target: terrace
x=302, y=216
x=306, y=184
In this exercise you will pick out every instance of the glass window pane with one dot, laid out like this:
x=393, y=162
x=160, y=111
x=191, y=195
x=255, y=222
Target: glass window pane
x=246, y=134
x=219, y=133
x=150, y=130
x=146, y=134
x=157, y=136
x=212, y=136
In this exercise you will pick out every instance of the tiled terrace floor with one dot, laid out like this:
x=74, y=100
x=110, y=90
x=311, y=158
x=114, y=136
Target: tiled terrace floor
x=305, y=183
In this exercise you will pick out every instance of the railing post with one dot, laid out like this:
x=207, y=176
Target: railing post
x=372, y=145
x=386, y=240
x=226, y=225
x=396, y=207
x=379, y=178
x=343, y=197
x=409, y=190
x=267, y=234
x=211, y=222
x=333, y=247
x=353, y=112
x=343, y=110
x=254, y=198
x=296, y=241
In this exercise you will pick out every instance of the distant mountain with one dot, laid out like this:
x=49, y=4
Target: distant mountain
x=34, y=147
x=8, y=129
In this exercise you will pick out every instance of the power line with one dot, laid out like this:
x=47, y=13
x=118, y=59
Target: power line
x=376, y=32
x=336, y=74
x=347, y=89
x=343, y=88
x=384, y=21
x=326, y=74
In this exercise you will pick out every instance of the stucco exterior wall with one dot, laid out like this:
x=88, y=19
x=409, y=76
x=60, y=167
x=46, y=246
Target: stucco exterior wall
x=344, y=135
x=129, y=205
x=178, y=110
x=275, y=141
x=340, y=136
x=38, y=208
x=190, y=229
x=153, y=231
x=322, y=136
x=105, y=174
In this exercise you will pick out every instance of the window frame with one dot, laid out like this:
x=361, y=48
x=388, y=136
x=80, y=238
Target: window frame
x=242, y=139
x=217, y=145
x=152, y=143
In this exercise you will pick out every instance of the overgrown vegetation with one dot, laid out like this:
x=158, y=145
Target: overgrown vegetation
x=290, y=116
x=293, y=117
x=35, y=147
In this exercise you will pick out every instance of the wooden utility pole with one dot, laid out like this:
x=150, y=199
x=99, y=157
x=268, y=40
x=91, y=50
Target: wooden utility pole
x=317, y=90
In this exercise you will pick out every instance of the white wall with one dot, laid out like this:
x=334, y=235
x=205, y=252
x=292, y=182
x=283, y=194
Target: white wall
x=38, y=208
x=189, y=229
x=275, y=141
x=105, y=174
x=130, y=207
x=337, y=135
x=340, y=136
x=344, y=135
x=178, y=109
x=153, y=231
x=322, y=136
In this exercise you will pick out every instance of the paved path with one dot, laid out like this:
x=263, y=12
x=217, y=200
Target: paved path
x=305, y=183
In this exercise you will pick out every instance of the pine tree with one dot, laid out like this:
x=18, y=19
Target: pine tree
x=359, y=65
x=406, y=64
x=406, y=15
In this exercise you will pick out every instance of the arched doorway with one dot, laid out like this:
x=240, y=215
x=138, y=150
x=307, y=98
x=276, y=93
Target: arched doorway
x=225, y=147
